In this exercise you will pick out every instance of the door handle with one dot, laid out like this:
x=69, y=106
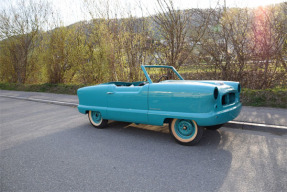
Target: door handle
x=110, y=93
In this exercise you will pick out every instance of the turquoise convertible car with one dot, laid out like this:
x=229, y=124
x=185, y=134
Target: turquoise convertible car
x=188, y=106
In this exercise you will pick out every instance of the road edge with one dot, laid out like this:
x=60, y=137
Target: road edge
x=42, y=101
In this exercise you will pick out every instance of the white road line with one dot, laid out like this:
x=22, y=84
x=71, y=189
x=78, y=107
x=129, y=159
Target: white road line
x=257, y=124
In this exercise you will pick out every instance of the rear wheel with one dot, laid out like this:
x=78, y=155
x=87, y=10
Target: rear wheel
x=214, y=127
x=97, y=120
x=185, y=132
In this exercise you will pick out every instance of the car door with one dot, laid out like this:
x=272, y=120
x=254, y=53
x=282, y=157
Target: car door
x=128, y=103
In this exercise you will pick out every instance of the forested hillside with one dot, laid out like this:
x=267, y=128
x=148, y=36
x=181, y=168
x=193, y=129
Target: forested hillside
x=240, y=44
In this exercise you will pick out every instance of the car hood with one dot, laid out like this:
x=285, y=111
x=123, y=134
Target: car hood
x=216, y=82
x=222, y=85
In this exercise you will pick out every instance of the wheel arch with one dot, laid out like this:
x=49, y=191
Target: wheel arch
x=167, y=120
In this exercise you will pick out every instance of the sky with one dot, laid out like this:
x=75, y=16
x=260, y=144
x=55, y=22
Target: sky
x=72, y=11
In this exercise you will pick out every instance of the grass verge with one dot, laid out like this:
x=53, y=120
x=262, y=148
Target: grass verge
x=265, y=98
x=47, y=88
x=258, y=98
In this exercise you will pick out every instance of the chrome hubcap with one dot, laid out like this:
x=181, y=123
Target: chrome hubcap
x=184, y=129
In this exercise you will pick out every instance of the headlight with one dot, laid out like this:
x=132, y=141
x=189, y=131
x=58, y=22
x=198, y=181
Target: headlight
x=215, y=93
x=239, y=88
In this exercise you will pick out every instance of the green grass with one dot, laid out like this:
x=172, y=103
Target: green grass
x=276, y=97
x=47, y=87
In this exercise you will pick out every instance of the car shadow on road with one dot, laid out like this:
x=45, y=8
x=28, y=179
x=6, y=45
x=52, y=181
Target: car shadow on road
x=209, y=138
x=121, y=157
x=206, y=161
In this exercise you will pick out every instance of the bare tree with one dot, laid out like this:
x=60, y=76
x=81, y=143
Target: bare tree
x=121, y=40
x=247, y=45
x=173, y=31
x=226, y=42
x=19, y=26
x=268, y=38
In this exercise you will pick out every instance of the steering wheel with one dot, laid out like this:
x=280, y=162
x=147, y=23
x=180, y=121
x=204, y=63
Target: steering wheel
x=163, y=76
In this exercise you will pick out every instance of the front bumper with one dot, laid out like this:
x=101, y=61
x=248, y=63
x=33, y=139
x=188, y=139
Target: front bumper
x=220, y=117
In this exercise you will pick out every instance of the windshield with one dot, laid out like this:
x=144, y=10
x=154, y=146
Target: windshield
x=158, y=73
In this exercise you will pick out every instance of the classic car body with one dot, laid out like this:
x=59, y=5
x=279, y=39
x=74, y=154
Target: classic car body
x=186, y=104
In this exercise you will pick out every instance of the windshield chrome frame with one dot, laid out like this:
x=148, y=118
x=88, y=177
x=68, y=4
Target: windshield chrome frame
x=158, y=66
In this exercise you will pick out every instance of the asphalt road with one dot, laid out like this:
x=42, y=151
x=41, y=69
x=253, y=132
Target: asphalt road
x=47, y=147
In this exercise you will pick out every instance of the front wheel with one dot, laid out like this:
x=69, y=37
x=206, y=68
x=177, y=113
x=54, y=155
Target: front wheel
x=97, y=120
x=185, y=132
